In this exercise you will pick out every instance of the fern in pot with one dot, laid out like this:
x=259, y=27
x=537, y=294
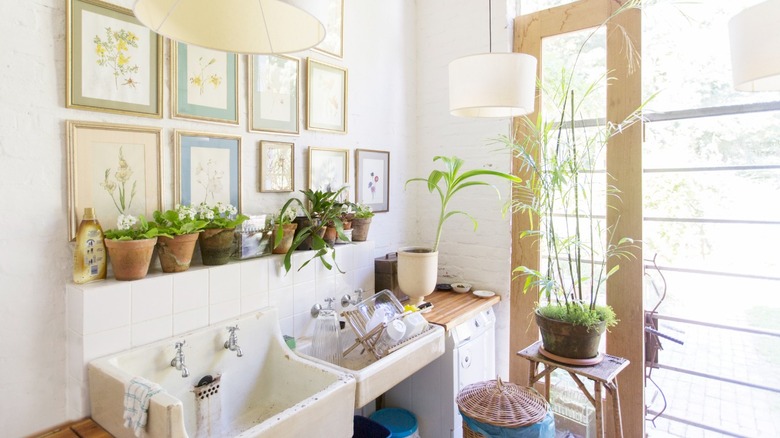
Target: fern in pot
x=418, y=265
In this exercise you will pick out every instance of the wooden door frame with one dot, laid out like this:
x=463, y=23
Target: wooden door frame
x=624, y=166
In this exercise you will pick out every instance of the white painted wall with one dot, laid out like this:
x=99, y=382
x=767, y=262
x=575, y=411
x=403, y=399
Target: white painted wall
x=397, y=54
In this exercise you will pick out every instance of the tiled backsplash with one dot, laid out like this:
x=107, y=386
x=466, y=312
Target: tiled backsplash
x=111, y=316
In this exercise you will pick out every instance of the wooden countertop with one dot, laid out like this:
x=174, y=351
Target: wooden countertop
x=452, y=308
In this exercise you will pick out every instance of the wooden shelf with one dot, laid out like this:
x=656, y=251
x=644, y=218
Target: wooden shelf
x=452, y=308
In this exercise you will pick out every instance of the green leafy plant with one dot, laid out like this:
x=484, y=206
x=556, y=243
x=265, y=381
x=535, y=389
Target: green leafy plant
x=181, y=220
x=448, y=182
x=285, y=217
x=320, y=209
x=363, y=211
x=220, y=215
x=131, y=228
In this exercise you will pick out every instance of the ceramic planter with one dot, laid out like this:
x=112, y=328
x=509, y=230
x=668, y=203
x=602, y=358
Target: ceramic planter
x=176, y=253
x=288, y=231
x=330, y=236
x=304, y=222
x=130, y=258
x=418, y=269
x=568, y=340
x=360, y=229
x=216, y=245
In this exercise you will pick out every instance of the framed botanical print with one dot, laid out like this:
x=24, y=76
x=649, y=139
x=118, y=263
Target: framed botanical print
x=273, y=94
x=113, y=168
x=203, y=84
x=328, y=168
x=333, y=44
x=114, y=63
x=208, y=168
x=326, y=97
x=277, y=166
x=372, y=170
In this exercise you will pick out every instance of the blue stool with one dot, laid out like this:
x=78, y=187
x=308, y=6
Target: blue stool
x=401, y=422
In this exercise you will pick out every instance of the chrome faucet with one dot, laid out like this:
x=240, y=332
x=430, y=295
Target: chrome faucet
x=178, y=361
x=346, y=300
x=232, y=342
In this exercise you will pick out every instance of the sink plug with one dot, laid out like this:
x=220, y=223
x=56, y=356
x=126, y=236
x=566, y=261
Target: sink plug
x=232, y=342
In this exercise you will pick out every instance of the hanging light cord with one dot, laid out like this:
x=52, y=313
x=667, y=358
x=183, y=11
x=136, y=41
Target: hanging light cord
x=490, y=26
x=170, y=11
x=265, y=25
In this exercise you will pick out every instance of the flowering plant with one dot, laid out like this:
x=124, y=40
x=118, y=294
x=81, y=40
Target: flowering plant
x=130, y=228
x=363, y=211
x=285, y=217
x=181, y=220
x=220, y=215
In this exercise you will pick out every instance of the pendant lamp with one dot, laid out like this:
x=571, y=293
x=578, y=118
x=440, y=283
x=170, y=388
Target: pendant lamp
x=492, y=84
x=755, y=47
x=238, y=26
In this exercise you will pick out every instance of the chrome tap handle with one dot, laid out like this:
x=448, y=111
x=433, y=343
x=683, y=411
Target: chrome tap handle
x=346, y=300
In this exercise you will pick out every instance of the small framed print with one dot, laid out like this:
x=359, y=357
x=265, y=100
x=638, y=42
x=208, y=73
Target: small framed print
x=326, y=97
x=203, y=84
x=114, y=63
x=273, y=94
x=277, y=166
x=328, y=168
x=208, y=168
x=333, y=44
x=113, y=168
x=372, y=170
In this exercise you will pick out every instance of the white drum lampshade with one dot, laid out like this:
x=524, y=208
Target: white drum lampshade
x=238, y=26
x=492, y=85
x=755, y=47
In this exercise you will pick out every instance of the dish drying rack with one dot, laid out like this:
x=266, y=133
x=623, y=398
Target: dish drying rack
x=359, y=317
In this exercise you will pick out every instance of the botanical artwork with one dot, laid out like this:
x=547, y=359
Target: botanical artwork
x=114, y=169
x=334, y=29
x=276, y=167
x=114, y=64
x=374, y=180
x=274, y=93
x=327, y=97
x=207, y=168
x=206, y=71
x=327, y=169
x=203, y=84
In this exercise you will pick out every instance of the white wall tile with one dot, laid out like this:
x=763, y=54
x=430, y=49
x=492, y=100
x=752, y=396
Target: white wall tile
x=287, y=326
x=345, y=255
x=106, y=307
x=106, y=342
x=282, y=299
x=190, y=320
x=221, y=311
x=190, y=289
x=152, y=298
x=325, y=288
x=75, y=308
x=364, y=278
x=303, y=325
x=277, y=277
x=224, y=283
x=308, y=272
x=75, y=355
x=304, y=297
x=254, y=276
x=145, y=332
x=78, y=397
x=364, y=254
x=250, y=303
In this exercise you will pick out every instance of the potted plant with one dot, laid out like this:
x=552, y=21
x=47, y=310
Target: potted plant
x=216, y=240
x=361, y=222
x=319, y=209
x=182, y=224
x=130, y=246
x=283, y=221
x=560, y=196
x=418, y=266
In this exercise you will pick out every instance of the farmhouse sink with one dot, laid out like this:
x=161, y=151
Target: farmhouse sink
x=267, y=392
x=375, y=376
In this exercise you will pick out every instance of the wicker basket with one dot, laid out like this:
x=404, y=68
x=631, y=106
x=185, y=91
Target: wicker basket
x=500, y=404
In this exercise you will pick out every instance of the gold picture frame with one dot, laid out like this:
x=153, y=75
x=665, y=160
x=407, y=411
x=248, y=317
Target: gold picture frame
x=326, y=97
x=328, y=168
x=113, y=168
x=207, y=168
x=277, y=166
x=333, y=44
x=273, y=94
x=120, y=71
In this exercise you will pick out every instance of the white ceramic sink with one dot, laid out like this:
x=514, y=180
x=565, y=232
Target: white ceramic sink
x=375, y=376
x=269, y=392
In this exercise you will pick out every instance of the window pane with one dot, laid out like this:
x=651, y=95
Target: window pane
x=686, y=55
x=531, y=6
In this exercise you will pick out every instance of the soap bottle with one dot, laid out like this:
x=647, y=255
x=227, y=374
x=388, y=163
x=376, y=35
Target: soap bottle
x=89, y=257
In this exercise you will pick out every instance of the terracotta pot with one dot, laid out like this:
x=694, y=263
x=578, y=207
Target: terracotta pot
x=216, y=245
x=176, y=253
x=418, y=269
x=130, y=258
x=330, y=236
x=568, y=340
x=288, y=231
x=360, y=229
x=304, y=222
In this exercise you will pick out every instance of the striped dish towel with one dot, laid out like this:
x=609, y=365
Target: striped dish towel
x=137, y=395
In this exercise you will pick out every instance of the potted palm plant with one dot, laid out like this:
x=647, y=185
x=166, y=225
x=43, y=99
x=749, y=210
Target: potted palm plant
x=131, y=245
x=418, y=266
